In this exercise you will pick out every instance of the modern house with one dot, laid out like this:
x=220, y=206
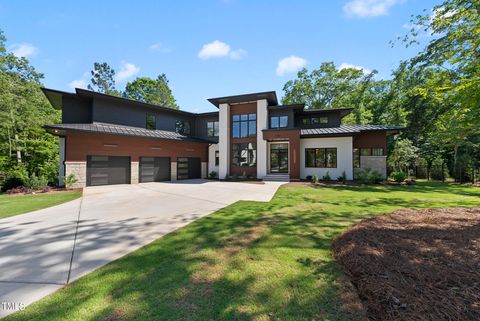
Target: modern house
x=112, y=140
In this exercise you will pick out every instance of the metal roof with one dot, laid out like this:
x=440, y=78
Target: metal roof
x=122, y=130
x=346, y=129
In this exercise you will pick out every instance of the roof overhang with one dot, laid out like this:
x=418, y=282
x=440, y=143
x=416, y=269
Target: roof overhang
x=55, y=96
x=270, y=96
x=342, y=111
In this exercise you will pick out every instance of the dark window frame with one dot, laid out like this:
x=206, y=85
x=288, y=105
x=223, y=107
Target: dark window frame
x=151, y=124
x=356, y=158
x=315, y=120
x=251, y=156
x=214, y=127
x=217, y=158
x=184, y=129
x=279, y=121
x=244, y=125
x=376, y=149
x=318, y=154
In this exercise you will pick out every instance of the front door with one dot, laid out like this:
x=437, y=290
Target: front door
x=279, y=158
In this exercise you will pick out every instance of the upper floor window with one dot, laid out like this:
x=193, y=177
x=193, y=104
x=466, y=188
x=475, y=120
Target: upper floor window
x=212, y=128
x=315, y=120
x=278, y=121
x=244, y=125
x=321, y=157
x=182, y=127
x=151, y=122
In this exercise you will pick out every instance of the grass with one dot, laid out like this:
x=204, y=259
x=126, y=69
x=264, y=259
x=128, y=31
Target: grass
x=20, y=204
x=248, y=261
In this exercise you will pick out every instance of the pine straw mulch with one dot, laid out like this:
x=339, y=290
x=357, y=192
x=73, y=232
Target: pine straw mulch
x=415, y=264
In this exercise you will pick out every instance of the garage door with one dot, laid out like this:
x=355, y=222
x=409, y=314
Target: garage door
x=108, y=170
x=188, y=167
x=154, y=169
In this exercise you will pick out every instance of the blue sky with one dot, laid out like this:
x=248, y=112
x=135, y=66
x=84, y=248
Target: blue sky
x=206, y=48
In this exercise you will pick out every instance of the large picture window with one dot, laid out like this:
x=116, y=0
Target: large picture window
x=212, y=128
x=182, y=127
x=321, y=157
x=278, y=121
x=244, y=154
x=244, y=125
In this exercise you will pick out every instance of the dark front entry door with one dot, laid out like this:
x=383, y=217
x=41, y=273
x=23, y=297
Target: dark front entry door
x=279, y=158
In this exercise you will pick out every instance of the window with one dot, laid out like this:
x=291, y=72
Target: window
x=366, y=152
x=217, y=158
x=315, y=120
x=151, y=123
x=182, y=127
x=212, y=128
x=377, y=151
x=356, y=158
x=244, y=154
x=321, y=157
x=278, y=121
x=244, y=125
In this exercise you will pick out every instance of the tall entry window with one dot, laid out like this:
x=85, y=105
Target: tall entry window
x=279, y=158
x=244, y=125
x=244, y=154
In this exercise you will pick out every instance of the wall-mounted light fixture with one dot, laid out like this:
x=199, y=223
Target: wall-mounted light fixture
x=156, y=147
x=110, y=145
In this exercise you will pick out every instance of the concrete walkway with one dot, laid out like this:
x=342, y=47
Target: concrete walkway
x=42, y=251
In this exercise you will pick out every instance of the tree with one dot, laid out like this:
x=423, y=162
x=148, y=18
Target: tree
x=404, y=155
x=103, y=79
x=151, y=91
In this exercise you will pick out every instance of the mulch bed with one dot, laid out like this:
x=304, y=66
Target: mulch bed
x=415, y=264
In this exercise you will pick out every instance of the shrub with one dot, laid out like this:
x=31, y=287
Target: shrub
x=309, y=177
x=17, y=176
x=398, y=176
x=315, y=179
x=37, y=183
x=70, y=180
x=234, y=177
x=367, y=175
x=227, y=177
x=212, y=174
x=342, y=178
x=326, y=177
x=375, y=177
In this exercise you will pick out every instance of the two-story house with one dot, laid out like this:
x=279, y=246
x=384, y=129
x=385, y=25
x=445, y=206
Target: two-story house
x=112, y=140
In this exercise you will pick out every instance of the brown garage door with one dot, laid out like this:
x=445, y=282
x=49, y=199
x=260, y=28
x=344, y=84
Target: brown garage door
x=108, y=170
x=154, y=169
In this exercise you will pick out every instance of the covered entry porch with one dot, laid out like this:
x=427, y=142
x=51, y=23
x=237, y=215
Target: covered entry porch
x=283, y=153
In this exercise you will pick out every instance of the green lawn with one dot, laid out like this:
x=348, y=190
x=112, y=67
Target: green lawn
x=14, y=205
x=248, y=261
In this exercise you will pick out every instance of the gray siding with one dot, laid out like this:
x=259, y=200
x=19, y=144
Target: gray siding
x=201, y=126
x=130, y=114
x=285, y=112
x=76, y=110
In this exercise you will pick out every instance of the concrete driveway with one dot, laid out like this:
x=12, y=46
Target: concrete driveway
x=42, y=251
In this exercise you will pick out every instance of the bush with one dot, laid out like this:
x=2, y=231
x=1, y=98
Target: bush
x=17, y=176
x=309, y=177
x=326, y=177
x=70, y=180
x=367, y=175
x=37, y=183
x=212, y=174
x=315, y=179
x=398, y=176
x=342, y=178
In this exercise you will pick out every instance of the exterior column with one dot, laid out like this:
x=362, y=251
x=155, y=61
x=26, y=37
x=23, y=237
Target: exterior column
x=61, y=160
x=134, y=169
x=204, y=167
x=224, y=141
x=173, y=171
x=79, y=169
x=262, y=123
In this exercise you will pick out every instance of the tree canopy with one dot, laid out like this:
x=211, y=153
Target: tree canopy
x=152, y=91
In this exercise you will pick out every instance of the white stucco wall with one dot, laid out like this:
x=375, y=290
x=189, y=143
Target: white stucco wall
x=211, y=159
x=224, y=140
x=344, y=147
x=262, y=123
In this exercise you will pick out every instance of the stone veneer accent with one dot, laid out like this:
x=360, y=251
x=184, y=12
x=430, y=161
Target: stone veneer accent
x=173, y=171
x=79, y=169
x=204, y=170
x=376, y=163
x=134, y=172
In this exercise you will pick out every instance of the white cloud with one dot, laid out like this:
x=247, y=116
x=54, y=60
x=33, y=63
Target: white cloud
x=127, y=70
x=368, y=8
x=23, y=49
x=219, y=49
x=80, y=83
x=346, y=65
x=159, y=47
x=238, y=54
x=290, y=64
